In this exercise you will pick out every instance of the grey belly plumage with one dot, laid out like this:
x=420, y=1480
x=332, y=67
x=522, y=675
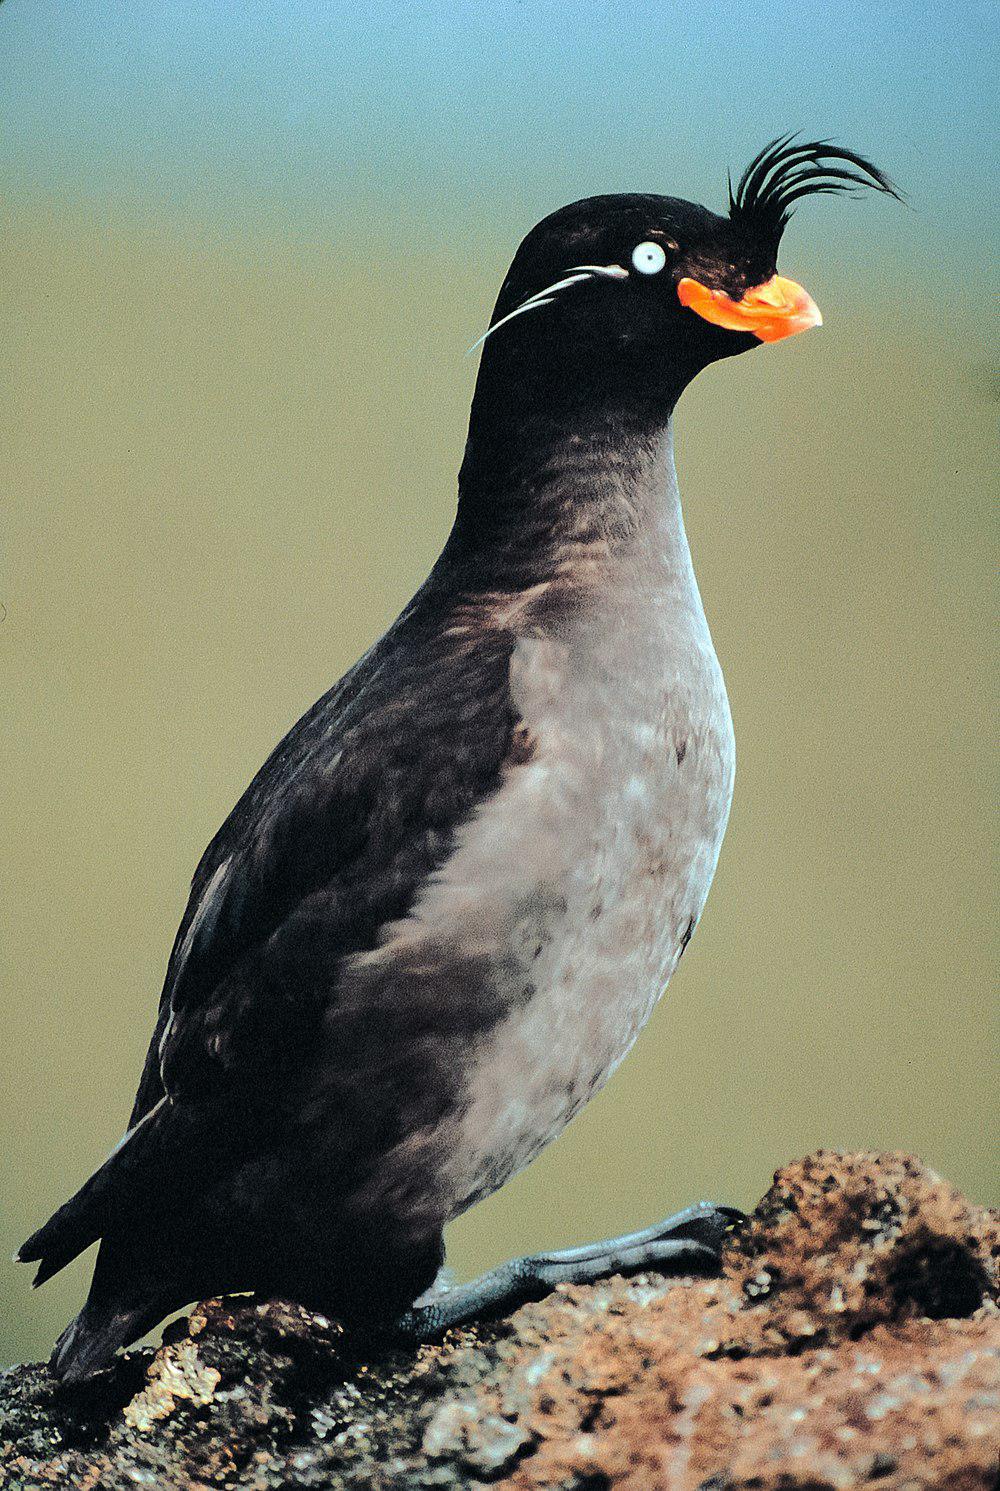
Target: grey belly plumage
x=574, y=888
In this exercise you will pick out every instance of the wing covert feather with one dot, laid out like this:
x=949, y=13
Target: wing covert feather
x=333, y=838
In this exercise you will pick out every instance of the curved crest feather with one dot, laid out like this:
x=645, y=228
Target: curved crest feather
x=788, y=169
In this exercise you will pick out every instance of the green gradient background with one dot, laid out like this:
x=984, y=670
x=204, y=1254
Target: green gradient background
x=241, y=258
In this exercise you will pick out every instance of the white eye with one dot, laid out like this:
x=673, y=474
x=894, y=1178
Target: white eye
x=648, y=258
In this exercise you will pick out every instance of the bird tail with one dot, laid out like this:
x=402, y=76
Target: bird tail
x=91, y=1340
x=83, y=1218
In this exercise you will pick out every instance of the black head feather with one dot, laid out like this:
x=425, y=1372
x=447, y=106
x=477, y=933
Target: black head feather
x=786, y=170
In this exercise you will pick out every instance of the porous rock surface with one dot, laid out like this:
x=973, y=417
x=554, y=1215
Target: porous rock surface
x=853, y=1340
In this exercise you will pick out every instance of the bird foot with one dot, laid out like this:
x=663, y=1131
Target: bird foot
x=692, y=1239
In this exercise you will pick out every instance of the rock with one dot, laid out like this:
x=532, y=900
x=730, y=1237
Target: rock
x=853, y=1340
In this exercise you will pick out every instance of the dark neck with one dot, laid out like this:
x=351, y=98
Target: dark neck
x=535, y=487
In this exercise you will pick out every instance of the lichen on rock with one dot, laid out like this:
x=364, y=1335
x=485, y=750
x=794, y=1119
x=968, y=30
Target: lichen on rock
x=852, y=1340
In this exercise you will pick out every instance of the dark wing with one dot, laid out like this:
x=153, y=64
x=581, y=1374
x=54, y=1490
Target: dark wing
x=332, y=839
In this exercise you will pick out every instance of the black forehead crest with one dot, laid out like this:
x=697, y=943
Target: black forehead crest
x=786, y=170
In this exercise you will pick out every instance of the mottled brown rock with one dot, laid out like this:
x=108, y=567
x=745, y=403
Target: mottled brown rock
x=853, y=1340
x=841, y=1243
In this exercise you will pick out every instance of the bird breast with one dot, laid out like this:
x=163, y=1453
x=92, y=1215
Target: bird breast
x=580, y=881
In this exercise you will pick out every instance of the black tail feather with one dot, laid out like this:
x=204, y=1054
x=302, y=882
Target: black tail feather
x=82, y=1219
x=90, y=1341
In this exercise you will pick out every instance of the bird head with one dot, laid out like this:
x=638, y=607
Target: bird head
x=626, y=298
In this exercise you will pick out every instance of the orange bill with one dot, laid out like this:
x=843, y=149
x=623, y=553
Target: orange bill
x=778, y=308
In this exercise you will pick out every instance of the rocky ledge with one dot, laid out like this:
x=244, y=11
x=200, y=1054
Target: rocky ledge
x=853, y=1340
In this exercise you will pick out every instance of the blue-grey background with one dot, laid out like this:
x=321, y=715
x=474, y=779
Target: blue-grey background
x=243, y=250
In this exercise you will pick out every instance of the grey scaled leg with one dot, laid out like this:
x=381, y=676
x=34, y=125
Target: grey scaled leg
x=692, y=1239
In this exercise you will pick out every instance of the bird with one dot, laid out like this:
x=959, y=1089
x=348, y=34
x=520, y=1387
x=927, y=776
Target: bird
x=443, y=909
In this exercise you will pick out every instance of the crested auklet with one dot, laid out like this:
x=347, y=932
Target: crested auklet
x=446, y=905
